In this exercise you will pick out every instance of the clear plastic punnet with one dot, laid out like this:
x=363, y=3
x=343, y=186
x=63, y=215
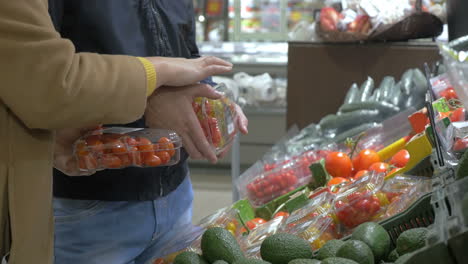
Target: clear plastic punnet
x=120, y=147
x=217, y=118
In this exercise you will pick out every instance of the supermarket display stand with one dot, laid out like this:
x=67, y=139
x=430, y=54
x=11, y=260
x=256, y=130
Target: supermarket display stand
x=235, y=167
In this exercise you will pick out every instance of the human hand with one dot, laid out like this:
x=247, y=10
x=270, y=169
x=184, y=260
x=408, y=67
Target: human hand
x=181, y=72
x=171, y=108
x=64, y=158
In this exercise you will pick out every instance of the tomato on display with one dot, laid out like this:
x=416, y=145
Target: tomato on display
x=365, y=159
x=379, y=167
x=336, y=180
x=458, y=115
x=338, y=164
x=359, y=174
x=460, y=144
x=281, y=214
x=449, y=93
x=400, y=159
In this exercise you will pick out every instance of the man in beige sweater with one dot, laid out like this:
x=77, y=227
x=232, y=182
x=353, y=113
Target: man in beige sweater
x=47, y=86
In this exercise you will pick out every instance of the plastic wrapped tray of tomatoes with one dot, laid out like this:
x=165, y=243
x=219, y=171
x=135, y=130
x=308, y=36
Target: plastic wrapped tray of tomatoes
x=120, y=147
x=217, y=119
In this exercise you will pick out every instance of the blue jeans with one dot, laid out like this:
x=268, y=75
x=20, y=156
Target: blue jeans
x=101, y=232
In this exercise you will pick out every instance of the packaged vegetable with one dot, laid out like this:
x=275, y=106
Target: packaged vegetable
x=120, y=147
x=217, y=119
x=251, y=242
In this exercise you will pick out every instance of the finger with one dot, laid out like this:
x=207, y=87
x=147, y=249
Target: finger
x=211, y=60
x=242, y=121
x=212, y=70
x=204, y=90
x=190, y=147
x=199, y=139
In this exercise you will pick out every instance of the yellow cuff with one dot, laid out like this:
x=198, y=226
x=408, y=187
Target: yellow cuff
x=150, y=75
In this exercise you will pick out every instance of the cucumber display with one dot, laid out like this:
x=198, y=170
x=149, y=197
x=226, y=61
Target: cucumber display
x=366, y=89
x=353, y=94
x=386, y=88
x=420, y=81
x=386, y=109
x=355, y=131
x=349, y=120
x=407, y=82
x=395, y=96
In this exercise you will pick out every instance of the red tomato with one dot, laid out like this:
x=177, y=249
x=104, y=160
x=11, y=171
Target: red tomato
x=164, y=156
x=131, y=141
x=359, y=174
x=152, y=161
x=81, y=149
x=87, y=162
x=117, y=146
x=145, y=144
x=449, y=93
x=379, y=167
x=338, y=164
x=215, y=131
x=400, y=159
x=167, y=145
x=125, y=159
x=252, y=224
x=458, y=115
x=159, y=261
x=365, y=159
x=336, y=180
x=460, y=144
x=281, y=214
x=135, y=156
x=111, y=161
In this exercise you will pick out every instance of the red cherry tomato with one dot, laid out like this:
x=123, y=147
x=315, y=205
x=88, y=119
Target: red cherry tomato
x=458, y=115
x=336, y=180
x=125, y=159
x=281, y=214
x=159, y=261
x=365, y=159
x=338, y=164
x=164, y=156
x=131, y=141
x=252, y=224
x=111, y=161
x=460, y=144
x=145, y=144
x=135, y=156
x=152, y=161
x=449, y=93
x=87, y=162
x=95, y=144
x=379, y=167
x=81, y=149
x=359, y=174
x=167, y=145
x=117, y=146
x=400, y=159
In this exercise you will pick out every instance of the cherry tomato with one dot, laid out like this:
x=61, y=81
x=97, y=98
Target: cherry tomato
x=449, y=93
x=145, y=144
x=125, y=159
x=159, y=261
x=338, y=164
x=393, y=171
x=152, y=160
x=252, y=224
x=117, y=147
x=167, y=145
x=111, y=161
x=215, y=131
x=336, y=180
x=365, y=159
x=164, y=156
x=281, y=214
x=81, y=149
x=131, y=141
x=400, y=159
x=460, y=144
x=458, y=115
x=135, y=156
x=359, y=174
x=87, y=162
x=379, y=167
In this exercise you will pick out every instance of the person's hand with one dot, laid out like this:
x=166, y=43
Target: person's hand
x=181, y=72
x=64, y=159
x=171, y=108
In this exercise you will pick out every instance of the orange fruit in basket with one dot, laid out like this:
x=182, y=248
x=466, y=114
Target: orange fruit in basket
x=365, y=159
x=336, y=180
x=338, y=164
x=167, y=145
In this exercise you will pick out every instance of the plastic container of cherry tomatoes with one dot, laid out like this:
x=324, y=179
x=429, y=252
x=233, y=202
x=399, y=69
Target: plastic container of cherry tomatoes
x=251, y=243
x=359, y=202
x=121, y=147
x=217, y=118
x=314, y=222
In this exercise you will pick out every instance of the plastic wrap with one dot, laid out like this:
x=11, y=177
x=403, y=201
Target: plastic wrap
x=120, y=147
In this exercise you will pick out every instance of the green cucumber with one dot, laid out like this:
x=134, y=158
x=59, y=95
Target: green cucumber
x=349, y=120
x=366, y=89
x=376, y=95
x=419, y=80
x=395, y=97
x=385, y=108
x=407, y=84
x=386, y=88
x=354, y=131
x=352, y=95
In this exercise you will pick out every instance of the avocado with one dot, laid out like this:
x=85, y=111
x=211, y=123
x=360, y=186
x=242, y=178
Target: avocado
x=329, y=249
x=220, y=262
x=336, y=260
x=250, y=261
x=411, y=240
x=219, y=244
x=356, y=250
x=393, y=256
x=462, y=170
x=305, y=261
x=281, y=248
x=376, y=237
x=189, y=258
x=403, y=259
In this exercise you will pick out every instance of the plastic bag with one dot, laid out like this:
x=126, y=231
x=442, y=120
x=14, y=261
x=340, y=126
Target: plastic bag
x=120, y=147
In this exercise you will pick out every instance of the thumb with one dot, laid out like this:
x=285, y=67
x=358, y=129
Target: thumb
x=204, y=90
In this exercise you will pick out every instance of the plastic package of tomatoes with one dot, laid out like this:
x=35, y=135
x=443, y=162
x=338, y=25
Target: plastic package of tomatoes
x=314, y=222
x=120, y=147
x=250, y=243
x=217, y=118
x=401, y=191
x=456, y=137
x=359, y=202
x=279, y=180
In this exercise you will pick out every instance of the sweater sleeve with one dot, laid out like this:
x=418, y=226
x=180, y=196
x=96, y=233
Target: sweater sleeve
x=48, y=85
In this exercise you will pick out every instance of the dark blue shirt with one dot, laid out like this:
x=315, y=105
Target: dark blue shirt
x=129, y=27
